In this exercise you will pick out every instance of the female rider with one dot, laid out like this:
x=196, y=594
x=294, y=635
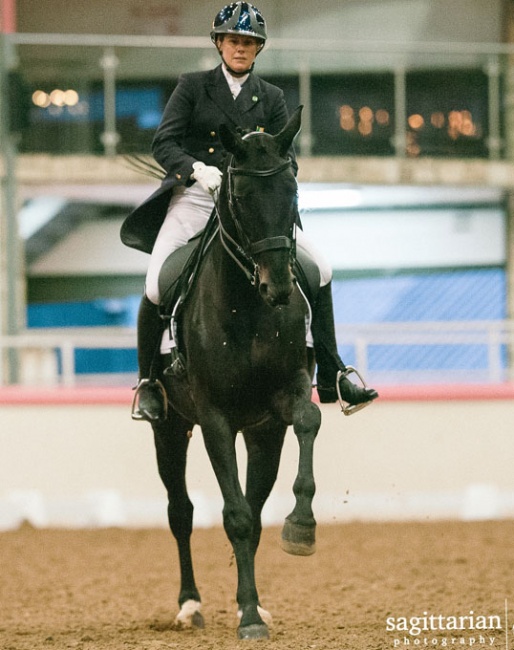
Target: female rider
x=188, y=148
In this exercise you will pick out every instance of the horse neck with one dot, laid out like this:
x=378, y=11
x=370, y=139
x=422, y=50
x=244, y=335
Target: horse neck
x=228, y=280
x=232, y=269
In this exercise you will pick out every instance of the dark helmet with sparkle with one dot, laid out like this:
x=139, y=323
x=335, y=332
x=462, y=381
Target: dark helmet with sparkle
x=240, y=18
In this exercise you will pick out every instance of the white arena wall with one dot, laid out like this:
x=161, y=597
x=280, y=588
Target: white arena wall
x=74, y=458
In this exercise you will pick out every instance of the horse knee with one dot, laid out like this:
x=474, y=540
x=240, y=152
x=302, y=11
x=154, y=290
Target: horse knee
x=238, y=522
x=307, y=420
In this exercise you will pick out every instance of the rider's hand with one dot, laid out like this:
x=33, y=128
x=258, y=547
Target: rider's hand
x=209, y=177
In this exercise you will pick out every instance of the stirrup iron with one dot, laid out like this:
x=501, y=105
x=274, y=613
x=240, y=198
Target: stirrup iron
x=346, y=408
x=135, y=412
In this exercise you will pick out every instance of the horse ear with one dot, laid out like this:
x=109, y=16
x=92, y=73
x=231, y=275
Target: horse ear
x=232, y=141
x=289, y=132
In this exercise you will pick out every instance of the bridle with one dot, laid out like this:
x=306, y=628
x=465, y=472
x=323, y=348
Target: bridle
x=242, y=252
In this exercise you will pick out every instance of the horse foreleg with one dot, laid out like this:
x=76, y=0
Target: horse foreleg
x=299, y=531
x=264, y=446
x=171, y=442
x=237, y=520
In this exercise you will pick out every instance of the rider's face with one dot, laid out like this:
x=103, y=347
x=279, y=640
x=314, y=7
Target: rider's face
x=238, y=52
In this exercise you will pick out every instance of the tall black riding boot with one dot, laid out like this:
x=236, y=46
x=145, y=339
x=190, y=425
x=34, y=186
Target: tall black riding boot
x=150, y=398
x=327, y=357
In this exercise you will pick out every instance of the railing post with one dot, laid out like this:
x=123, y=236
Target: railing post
x=400, y=111
x=305, y=137
x=361, y=355
x=494, y=104
x=68, y=363
x=494, y=343
x=12, y=307
x=110, y=137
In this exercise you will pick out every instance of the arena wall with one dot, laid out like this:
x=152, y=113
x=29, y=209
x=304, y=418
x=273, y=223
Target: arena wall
x=74, y=457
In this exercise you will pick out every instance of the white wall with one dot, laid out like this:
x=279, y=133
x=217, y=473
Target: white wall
x=396, y=20
x=409, y=239
x=385, y=228
x=87, y=465
x=312, y=25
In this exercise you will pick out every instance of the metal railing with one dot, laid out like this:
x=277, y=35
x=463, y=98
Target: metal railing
x=111, y=59
x=49, y=357
x=432, y=352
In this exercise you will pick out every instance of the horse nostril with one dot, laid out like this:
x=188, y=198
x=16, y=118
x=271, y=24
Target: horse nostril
x=275, y=295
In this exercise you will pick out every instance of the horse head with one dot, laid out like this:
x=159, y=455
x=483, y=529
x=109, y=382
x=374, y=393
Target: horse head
x=258, y=201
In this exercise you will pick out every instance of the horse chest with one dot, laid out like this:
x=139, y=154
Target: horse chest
x=248, y=340
x=267, y=343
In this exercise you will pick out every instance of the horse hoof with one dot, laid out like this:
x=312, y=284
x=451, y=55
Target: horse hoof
x=190, y=616
x=298, y=539
x=252, y=632
x=197, y=621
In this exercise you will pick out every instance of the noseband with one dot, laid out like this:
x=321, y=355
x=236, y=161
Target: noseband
x=245, y=248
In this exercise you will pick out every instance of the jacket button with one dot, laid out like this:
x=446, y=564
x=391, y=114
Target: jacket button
x=211, y=149
x=213, y=133
x=178, y=176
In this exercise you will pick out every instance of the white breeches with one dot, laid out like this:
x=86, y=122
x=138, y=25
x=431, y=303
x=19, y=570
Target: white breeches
x=188, y=213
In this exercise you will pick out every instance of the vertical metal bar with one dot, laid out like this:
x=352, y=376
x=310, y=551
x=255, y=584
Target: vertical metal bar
x=494, y=355
x=11, y=269
x=400, y=111
x=493, y=84
x=305, y=137
x=110, y=137
x=361, y=355
x=68, y=363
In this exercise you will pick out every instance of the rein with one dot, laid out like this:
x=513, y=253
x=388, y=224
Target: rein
x=242, y=252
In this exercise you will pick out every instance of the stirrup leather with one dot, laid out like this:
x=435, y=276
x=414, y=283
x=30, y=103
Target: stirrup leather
x=346, y=408
x=135, y=412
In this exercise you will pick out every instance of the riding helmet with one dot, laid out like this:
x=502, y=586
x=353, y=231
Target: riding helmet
x=240, y=18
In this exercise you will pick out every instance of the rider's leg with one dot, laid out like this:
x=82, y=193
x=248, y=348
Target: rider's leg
x=188, y=213
x=327, y=357
x=328, y=361
x=150, y=399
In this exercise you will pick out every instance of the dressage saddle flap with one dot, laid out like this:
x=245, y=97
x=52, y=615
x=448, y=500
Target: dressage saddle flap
x=171, y=273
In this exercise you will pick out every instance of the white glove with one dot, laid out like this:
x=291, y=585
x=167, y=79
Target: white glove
x=209, y=177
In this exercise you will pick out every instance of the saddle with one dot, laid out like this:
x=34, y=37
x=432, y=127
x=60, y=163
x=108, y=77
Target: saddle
x=179, y=271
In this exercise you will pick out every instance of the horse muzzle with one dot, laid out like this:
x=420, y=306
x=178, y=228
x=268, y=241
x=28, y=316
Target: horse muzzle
x=275, y=277
x=276, y=293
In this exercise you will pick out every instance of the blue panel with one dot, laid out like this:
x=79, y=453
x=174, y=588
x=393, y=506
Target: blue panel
x=452, y=296
x=120, y=312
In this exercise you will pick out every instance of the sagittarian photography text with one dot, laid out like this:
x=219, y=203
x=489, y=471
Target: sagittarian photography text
x=471, y=629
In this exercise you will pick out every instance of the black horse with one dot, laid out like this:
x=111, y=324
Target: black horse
x=242, y=328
